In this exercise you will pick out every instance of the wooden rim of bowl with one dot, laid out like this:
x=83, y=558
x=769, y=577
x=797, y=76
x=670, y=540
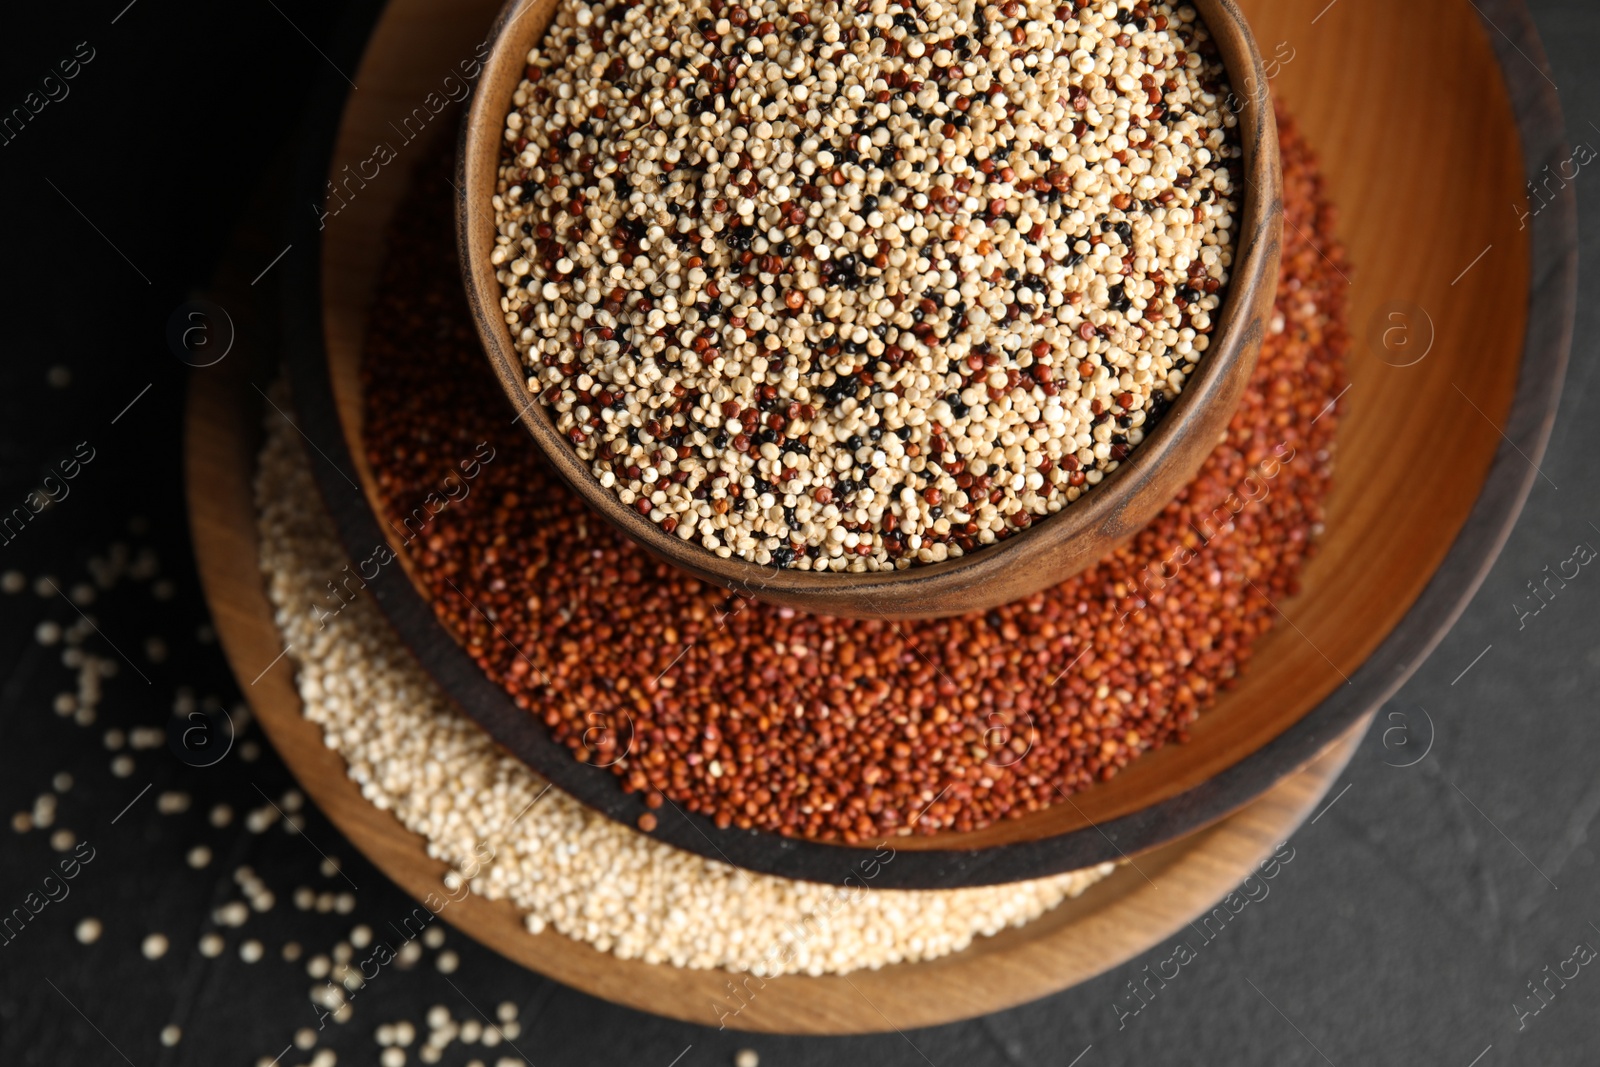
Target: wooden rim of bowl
x=924, y=864
x=1049, y=551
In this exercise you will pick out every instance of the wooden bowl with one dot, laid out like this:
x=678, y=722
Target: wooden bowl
x=1043, y=555
x=1485, y=293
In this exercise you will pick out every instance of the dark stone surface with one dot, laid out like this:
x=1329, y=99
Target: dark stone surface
x=1411, y=919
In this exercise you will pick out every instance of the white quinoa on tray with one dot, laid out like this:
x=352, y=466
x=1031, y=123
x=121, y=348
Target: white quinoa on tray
x=861, y=286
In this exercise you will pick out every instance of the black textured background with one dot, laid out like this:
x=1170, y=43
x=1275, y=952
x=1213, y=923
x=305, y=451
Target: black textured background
x=1411, y=919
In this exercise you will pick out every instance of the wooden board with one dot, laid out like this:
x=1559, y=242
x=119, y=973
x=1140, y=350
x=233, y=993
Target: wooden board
x=1124, y=915
x=1436, y=453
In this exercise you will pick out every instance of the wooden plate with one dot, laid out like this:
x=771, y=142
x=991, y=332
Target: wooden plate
x=1115, y=920
x=1425, y=120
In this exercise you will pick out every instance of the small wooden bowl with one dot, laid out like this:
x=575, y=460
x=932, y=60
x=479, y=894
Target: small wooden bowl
x=1044, y=554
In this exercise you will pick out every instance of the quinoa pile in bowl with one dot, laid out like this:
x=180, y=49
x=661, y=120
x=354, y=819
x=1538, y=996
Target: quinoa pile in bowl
x=857, y=288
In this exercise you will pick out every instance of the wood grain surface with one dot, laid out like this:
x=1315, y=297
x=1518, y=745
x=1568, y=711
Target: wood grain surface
x=1047, y=552
x=1438, y=435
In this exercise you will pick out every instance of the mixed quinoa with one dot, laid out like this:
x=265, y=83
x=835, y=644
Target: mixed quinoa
x=863, y=285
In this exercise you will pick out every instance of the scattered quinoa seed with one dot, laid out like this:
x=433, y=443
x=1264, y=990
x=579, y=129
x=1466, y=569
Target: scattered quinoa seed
x=172, y=802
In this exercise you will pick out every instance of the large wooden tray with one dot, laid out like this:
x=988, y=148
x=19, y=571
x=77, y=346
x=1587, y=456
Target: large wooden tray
x=1426, y=120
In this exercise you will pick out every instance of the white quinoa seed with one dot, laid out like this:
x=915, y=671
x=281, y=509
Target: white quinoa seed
x=565, y=867
x=234, y=914
x=171, y=1034
x=88, y=931
x=211, y=945
x=171, y=802
x=154, y=946
x=858, y=288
